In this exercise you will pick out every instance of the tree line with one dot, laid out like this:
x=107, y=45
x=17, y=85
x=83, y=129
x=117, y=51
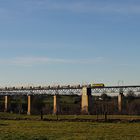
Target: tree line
x=103, y=104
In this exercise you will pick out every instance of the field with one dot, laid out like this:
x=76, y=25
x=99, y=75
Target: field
x=32, y=128
x=43, y=130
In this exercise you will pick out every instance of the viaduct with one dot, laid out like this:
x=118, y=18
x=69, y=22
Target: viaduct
x=84, y=91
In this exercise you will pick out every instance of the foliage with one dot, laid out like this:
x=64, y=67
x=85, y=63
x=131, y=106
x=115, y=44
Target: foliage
x=134, y=107
x=72, y=104
x=105, y=97
x=130, y=95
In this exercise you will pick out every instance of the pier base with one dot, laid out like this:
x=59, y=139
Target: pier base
x=55, y=104
x=120, y=102
x=86, y=100
x=29, y=105
x=7, y=104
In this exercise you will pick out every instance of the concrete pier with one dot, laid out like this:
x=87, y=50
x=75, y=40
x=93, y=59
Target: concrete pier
x=55, y=104
x=86, y=100
x=120, y=102
x=29, y=105
x=7, y=104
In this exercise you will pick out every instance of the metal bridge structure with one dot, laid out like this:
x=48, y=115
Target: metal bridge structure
x=66, y=90
x=85, y=91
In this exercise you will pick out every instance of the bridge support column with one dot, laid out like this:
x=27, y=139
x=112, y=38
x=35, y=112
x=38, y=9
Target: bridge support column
x=29, y=105
x=86, y=100
x=120, y=102
x=55, y=104
x=7, y=104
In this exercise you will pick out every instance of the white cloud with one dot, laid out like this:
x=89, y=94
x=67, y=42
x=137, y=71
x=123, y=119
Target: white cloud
x=28, y=44
x=84, y=6
x=31, y=61
x=28, y=7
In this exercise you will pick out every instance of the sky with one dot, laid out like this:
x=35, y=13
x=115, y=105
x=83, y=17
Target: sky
x=45, y=42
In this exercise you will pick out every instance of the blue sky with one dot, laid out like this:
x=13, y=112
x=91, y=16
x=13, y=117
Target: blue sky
x=69, y=42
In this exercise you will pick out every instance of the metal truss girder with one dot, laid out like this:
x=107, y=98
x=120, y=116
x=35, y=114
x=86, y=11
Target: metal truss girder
x=68, y=91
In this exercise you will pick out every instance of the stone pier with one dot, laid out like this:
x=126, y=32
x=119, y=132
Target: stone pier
x=55, y=104
x=7, y=104
x=86, y=100
x=29, y=105
x=120, y=101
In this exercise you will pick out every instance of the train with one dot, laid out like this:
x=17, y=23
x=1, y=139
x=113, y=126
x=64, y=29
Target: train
x=96, y=85
x=93, y=85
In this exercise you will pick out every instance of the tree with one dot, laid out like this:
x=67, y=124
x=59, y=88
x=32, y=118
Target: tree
x=105, y=97
x=105, y=105
x=130, y=95
x=37, y=104
x=134, y=107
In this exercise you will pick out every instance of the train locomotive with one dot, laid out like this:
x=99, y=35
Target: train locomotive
x=97, y=85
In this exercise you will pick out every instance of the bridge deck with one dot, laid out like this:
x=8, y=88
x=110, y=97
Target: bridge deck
x=67, y=90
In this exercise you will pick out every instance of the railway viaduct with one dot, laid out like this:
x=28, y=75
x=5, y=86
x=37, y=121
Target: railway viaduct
x=85, y=92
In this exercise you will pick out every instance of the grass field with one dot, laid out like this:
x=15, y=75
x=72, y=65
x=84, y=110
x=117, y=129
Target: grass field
x=43, y=130
x=35, y=129
x=13, y=116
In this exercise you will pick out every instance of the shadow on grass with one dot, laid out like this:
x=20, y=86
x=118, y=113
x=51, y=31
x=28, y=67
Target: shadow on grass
x=3, y=124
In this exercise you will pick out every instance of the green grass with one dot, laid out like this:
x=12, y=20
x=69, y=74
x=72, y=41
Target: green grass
x=43, y=130
x=37, y=117
x=34, y=129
